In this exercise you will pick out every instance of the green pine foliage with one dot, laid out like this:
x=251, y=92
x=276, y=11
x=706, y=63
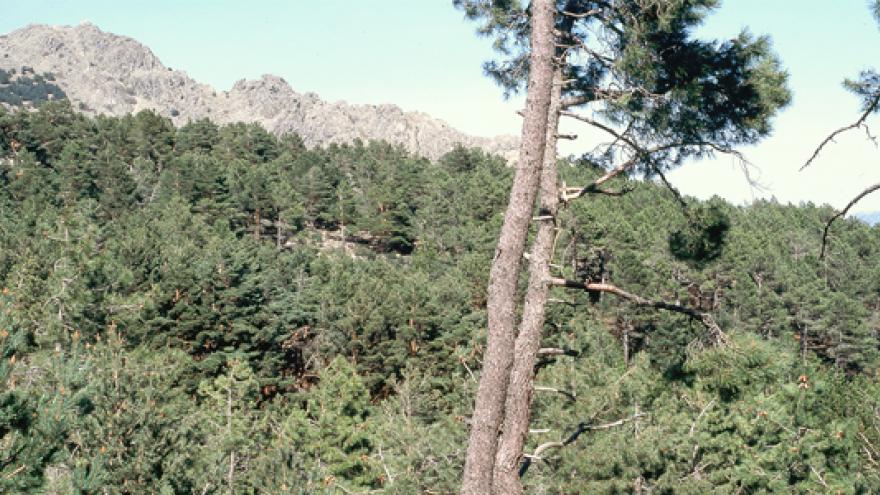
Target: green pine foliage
x=23, y=87
x=215, y=310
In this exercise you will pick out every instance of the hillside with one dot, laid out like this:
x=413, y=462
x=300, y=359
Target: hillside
x=104, y=73
x=171, y=315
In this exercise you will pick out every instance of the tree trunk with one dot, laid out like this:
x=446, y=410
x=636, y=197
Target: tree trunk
x=517, y=409
x=501, y=305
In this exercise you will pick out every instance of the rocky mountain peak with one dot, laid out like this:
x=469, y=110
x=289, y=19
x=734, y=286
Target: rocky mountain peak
x=105, y=73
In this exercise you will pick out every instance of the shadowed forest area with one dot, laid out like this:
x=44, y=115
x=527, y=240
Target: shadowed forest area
x=215, y=310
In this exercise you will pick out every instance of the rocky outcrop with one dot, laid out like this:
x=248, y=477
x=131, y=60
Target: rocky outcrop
x=104, y=73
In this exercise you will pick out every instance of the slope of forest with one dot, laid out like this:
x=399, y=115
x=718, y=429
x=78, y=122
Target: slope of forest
x=212, y=309
x=104, y=73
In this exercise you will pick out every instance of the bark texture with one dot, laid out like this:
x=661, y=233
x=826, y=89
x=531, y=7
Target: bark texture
x=517, y=409
x=501, y=305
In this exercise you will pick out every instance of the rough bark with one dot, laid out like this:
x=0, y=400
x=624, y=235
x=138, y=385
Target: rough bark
x=501, y=304
x=517, y=408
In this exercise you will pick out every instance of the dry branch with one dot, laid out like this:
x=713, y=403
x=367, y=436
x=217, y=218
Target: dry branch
x=555, y=351
x=581, y=15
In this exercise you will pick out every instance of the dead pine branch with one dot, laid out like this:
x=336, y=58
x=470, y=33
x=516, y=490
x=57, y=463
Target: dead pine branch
x=555, y=351
x=581, y=15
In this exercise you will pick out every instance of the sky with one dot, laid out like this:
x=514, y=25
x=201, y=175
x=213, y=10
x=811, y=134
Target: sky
x=423, y=55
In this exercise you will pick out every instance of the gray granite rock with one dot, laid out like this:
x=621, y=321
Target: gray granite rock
x=104, y=73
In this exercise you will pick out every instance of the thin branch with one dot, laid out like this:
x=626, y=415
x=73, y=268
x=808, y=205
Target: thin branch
x=570, y=193
x=581, y=15
x=671, y=188
x=581, y=428
x=468, y=368
x=819, y=475
x=600, y=125
x=388, y=474
x=706, y=319
x=555, y=351
x=574, y=42
x=641, y=152
x=570, y=396
x=694, y=424
x=858, y=123
x=593, y=189
x=622, y=136
x=842, y=213
x=869, y=448
x=16, y=471
x=625, y=132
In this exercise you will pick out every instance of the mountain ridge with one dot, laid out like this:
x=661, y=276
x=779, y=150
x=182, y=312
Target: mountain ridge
x=106, y=73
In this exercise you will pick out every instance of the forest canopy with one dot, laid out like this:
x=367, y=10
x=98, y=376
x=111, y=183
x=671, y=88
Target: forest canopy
x=212, y=309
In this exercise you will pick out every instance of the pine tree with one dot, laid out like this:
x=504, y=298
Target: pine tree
x=335, y=432
x=655, y=90
x=230, y=424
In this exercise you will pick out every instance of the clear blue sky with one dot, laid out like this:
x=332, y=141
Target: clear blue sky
x=422, y=55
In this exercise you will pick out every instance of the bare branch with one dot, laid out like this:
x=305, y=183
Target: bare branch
x=600, y=125
x=706, y=319
x=569, y=193
x=644, y=153
x=868, y=448
x=593, y=189
x=858, y=123
x=570, y=396
x=818, y=475
x=842, y=213
x=622, y=136
x=694, y=424
x=581, y=15
x=581, y=428
x=555, y=351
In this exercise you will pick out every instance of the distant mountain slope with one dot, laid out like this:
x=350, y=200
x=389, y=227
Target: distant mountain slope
x=104, y=73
